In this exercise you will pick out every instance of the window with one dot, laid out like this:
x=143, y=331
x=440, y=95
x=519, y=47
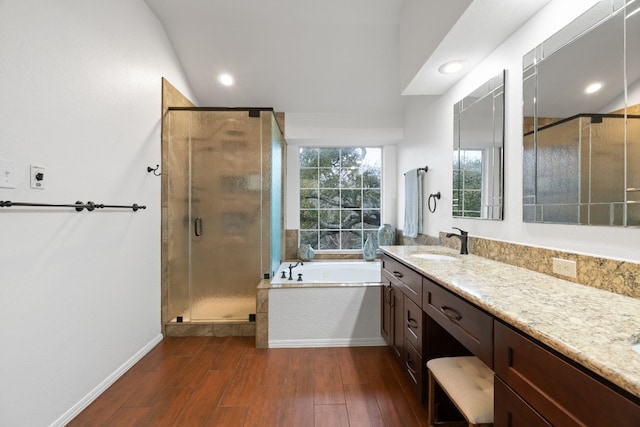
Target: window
x=339, y=196
x=467, y=183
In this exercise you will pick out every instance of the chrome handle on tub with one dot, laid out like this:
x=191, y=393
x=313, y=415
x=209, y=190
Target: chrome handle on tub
x=451, y=313
x=197, y=226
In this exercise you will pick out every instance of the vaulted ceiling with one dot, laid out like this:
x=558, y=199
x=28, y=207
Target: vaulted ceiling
x=332, y=56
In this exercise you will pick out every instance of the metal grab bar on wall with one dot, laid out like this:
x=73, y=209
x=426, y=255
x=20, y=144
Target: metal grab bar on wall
x=78, y=206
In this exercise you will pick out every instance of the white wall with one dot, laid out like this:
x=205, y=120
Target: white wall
x=79, y=292
x=429, y=136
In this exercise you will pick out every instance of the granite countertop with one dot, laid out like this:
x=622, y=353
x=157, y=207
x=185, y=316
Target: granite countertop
x=595, y=328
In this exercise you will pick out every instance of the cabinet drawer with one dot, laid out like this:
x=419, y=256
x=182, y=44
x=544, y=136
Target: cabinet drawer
x=413, y=324
x=468, y=324
x=560, y=391
x=511, y=411
x=409, y=281
x=413, y=368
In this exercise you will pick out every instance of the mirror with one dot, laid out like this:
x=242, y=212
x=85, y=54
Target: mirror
x=582, y=147
x=478, y=155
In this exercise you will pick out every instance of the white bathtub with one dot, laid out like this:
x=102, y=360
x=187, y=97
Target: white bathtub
x=336, y=305
x=330, y=272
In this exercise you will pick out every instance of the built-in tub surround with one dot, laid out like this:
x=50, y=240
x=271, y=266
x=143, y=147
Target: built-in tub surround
x=326, y=273
x=592, y=327
x=328, y=308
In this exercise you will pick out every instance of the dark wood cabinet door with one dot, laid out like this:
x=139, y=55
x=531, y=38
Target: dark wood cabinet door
x=413, y=330
x=386, y=315
x=557, y=388
x=398, y=323
x=414, y=369
x=511, y=411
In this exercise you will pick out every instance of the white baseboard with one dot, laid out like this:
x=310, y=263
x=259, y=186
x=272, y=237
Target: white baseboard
x=332, y=342
x=93, y=394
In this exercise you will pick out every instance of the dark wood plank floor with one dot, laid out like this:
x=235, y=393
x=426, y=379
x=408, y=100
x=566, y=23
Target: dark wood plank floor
x=209, y=381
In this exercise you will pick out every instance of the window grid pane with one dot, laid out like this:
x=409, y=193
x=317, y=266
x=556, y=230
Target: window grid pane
x=340, y=196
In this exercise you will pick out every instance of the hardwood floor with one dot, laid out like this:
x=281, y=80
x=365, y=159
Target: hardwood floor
x=210, y=381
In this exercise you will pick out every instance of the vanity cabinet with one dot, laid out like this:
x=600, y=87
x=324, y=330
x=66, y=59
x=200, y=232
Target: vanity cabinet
x=403, y=319
x=536, y=386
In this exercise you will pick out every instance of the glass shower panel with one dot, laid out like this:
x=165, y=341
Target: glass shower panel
x=632, y=37
x=226, y=214
x=177, y=169
x=633, y=171
x=606, y=174
x=558, y=172
x=277, y=223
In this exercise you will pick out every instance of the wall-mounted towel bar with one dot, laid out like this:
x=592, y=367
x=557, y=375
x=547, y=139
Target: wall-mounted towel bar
x=424, y=169
x=78, y=206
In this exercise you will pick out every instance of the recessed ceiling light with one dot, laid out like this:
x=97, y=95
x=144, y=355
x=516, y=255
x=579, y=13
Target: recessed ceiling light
x=593, y=88
x=225, y=79
x=452, y=67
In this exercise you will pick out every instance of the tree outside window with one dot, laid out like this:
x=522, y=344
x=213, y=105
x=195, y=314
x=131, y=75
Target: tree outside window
x=339, y=196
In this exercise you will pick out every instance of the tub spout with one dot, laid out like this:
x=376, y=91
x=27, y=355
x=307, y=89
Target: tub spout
x=291, y=267
x=463, y=236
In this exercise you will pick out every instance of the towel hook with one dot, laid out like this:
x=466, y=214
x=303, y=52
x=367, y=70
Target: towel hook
x=433, y=196
x=150, y=169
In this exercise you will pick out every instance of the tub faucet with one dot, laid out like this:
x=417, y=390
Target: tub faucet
x=291, y=267
x=463, y=236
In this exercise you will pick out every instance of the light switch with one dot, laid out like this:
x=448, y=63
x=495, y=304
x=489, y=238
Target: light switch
x=8, y=177
x=37, y=177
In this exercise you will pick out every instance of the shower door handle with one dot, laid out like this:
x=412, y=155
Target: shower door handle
x=197, y=226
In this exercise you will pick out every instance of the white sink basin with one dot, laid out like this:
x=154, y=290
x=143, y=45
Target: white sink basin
x=435, y=257
x=636, y=348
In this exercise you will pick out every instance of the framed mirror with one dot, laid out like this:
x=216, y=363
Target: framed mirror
x=478, y=152
x=581, y=124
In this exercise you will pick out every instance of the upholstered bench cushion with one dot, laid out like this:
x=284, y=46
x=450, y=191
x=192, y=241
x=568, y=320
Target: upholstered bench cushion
x=469, y=384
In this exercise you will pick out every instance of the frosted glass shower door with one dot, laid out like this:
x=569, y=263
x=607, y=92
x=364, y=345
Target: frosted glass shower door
x=226, y=221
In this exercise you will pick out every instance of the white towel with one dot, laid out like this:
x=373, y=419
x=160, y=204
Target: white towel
x=412, y=203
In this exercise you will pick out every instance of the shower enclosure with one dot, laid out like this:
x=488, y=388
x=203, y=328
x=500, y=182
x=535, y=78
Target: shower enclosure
x=224, y=211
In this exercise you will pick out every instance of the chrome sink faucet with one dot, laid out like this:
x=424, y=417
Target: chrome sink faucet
x=463, y=236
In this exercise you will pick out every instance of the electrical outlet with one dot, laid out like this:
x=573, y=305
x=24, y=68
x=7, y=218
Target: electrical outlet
x=564, y=267
x=37, y=177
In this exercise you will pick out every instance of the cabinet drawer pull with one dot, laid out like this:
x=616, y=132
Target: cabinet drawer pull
x=398, y=274
x=409, y=365
x=392, y=297
x=451, y=313
x=412, y=323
